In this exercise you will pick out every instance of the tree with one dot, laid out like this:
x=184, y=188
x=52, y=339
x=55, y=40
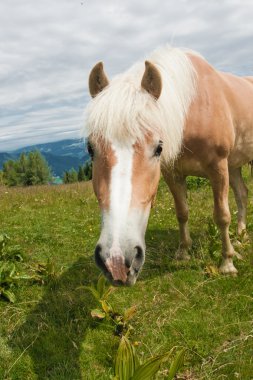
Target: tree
x=73, y=176
x=37, y=170
x=1, y=178
x=81, y=175
x=10, y=174
x=88, y=170
x=22, y=168
x=29, y=169
x=84, y=174
x=66, y=177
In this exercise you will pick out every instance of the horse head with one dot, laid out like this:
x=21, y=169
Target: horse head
x=126, y=172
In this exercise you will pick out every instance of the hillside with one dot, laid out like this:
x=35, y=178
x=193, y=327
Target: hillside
x=5, y=157
x=61, y=155
x=49, y=333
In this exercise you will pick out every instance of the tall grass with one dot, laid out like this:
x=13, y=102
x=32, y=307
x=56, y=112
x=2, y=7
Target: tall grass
x=49, y=333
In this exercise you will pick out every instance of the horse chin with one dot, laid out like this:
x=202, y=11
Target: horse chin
x=131, y=280
x=128, y=283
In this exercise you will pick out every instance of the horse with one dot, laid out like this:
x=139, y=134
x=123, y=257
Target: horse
x=174, y=114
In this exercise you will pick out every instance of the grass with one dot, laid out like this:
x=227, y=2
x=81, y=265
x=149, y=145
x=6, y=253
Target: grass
x=49, y=332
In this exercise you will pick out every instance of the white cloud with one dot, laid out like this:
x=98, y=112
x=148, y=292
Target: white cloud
x=47, y=49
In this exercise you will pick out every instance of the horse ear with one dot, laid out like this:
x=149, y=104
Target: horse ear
x=97, y=79
x=152, y=80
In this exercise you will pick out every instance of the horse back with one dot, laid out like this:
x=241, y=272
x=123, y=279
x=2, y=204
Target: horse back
x=219, y=123
x=249, y=79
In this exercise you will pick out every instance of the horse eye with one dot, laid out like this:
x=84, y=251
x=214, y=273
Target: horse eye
x=158, y=150
x=90, y=150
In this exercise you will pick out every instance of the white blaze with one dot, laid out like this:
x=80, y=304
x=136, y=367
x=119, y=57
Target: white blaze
x=120, y=192
x=115, y=221
x=123, y=227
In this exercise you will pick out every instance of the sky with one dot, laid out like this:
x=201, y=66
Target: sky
x=48, y=47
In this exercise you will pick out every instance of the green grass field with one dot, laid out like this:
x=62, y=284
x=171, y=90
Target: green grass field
x=49, y=333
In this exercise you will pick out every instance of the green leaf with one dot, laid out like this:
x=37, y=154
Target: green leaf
x=3, y=242
x=12, y=270
x=101, y=286
x=97, y=313
x=1, y=270
x=18, y=257
x=176, y=364
x=13, y=253
x=4, y=239
x=10, y=296
x=126, y=361
x=23, y=277
x=93, y=291
x=108, y=292
x=7, y=271
x=148, y=370
x=106, y=307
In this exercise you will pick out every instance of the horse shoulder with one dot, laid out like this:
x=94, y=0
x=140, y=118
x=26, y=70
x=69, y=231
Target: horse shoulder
x=208, y=129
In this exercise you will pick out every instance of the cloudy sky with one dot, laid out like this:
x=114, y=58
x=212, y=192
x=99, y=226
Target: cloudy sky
x=48, y=47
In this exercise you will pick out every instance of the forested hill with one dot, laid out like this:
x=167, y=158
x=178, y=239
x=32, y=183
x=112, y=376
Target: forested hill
x=60, y=155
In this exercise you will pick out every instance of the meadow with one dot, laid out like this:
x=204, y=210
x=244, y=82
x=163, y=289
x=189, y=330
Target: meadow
x=48, y=333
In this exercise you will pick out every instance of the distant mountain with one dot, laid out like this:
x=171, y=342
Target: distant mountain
x=4, y=157
x=61, y=155
x=74, y=148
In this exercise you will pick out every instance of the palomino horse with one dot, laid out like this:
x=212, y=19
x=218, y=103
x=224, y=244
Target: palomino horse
x=178, y=114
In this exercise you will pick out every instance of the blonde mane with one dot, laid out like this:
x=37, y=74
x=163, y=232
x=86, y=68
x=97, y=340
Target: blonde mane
x=123, y=111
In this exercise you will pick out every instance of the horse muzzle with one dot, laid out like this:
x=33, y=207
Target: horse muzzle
x=119, y=269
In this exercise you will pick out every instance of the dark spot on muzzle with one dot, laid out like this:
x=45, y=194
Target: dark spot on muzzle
x=127, y=263
x=98, y=259
x=139, y=255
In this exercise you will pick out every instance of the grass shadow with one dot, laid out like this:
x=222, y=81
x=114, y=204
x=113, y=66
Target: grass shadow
x=161, y=248
x=55, y=329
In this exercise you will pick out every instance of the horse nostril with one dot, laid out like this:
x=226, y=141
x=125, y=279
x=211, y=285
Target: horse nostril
x=139, y=255
x=98, y=258
x=127, y=263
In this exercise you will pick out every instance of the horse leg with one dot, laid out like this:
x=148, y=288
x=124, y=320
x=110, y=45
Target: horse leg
x=177, y=187
x=241, y=197
x=219, y=178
